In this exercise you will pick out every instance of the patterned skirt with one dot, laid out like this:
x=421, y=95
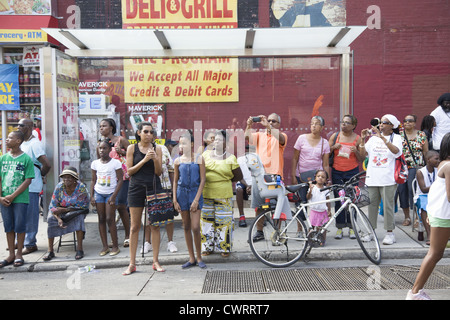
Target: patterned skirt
x=217, y=225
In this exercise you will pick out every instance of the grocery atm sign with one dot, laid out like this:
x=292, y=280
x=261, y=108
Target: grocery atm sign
x=179, y=14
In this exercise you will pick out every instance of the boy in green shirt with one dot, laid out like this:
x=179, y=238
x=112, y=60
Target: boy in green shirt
x=16, y=173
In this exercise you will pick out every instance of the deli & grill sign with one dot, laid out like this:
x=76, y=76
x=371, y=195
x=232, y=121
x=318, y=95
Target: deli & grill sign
x=179, y=14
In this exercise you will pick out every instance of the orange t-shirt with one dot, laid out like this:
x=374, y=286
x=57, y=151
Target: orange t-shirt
x=270, y=152
x=344, y=158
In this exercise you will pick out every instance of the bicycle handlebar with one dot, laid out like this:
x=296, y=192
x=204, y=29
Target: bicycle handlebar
x=349, y=182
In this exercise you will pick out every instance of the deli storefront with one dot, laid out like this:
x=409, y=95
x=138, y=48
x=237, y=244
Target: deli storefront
x=200, y=73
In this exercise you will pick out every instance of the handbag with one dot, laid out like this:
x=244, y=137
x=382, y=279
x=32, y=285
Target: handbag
x=401, y=168
x=307, y=175
x=85, y=151
x=68, y=216
x=331, y=158
x=160, y=210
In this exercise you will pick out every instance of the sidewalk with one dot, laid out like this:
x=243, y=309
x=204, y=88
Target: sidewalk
x=406, y=247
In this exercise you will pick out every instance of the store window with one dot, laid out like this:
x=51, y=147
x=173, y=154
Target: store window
x=204, y=94
x=27, y=58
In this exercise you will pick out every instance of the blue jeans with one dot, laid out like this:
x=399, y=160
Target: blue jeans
x=32, y=220
x=340, y=177
x=15, y=217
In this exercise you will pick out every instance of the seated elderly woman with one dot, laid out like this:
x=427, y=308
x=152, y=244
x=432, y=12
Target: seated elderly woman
x=68, y=208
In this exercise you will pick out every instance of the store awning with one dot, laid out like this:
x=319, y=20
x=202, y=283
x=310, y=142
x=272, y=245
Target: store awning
x=206, y=42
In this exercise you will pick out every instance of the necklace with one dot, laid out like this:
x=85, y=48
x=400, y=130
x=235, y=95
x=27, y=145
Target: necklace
x=219, y=155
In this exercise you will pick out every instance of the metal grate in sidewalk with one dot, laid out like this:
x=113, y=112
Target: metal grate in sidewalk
x=321, y=279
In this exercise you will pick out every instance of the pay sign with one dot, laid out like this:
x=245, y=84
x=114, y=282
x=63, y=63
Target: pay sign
x=9, y=87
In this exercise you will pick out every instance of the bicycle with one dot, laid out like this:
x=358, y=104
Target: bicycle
x=286, y=241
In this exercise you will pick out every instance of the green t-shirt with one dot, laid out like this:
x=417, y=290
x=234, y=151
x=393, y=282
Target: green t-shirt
x=14, y=171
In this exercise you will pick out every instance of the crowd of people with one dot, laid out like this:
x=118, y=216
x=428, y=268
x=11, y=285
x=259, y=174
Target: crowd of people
x=202, y=183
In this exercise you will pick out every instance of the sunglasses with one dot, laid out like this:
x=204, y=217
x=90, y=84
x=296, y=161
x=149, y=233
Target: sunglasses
x=274, y=121
x=409, y=120
x=148, y=131
x=21, y=125
x=387, y=122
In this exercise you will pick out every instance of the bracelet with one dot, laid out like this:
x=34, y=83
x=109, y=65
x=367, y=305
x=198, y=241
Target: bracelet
x=362, y=146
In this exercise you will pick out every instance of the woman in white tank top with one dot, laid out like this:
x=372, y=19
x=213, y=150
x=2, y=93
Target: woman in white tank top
x=439, y=215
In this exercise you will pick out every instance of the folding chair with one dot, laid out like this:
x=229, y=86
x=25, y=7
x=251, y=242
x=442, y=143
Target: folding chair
x=69, y=242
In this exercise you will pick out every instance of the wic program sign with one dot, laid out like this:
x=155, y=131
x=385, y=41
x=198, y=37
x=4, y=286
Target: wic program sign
x=181, y=80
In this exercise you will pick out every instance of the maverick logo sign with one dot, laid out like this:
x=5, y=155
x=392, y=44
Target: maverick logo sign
x=181, y=80
x=182, y=14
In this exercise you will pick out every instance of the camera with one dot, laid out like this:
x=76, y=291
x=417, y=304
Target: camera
x=256, y=119
x=375, y=122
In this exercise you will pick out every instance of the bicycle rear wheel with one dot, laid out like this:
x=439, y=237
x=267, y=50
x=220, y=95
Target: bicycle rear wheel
x=365, y=234
x=280, y=243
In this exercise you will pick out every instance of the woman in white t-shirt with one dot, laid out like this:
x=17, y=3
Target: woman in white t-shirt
x=383, y=147
x=107, y=179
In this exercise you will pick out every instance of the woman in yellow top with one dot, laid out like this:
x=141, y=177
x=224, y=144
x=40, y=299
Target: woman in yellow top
x=217, y=221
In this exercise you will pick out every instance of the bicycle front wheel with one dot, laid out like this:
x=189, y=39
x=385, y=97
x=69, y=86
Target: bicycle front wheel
x=365, y=234
x=277, y=243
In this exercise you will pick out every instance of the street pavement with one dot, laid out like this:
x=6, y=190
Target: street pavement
x=60, y=279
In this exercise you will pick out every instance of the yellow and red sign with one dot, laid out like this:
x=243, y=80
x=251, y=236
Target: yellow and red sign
x=181, y=80
x=179, y=14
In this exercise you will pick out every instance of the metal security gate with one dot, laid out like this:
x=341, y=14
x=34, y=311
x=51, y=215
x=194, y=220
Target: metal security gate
x=322, y=279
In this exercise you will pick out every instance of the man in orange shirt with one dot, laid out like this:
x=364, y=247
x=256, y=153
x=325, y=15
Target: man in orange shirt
x=270, y=146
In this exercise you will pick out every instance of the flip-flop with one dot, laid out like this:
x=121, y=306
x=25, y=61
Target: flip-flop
x=18, y=262
x=188, y=264
x=5, y=263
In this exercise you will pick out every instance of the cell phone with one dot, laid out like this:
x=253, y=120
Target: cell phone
x=256, y=119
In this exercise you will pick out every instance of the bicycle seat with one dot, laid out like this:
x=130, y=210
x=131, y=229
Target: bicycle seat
x=296, y=187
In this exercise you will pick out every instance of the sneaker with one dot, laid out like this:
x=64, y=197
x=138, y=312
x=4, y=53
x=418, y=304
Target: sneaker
x=421, y=295
x=258, y=236
x=367, y=238
x=171, y=247
x=351, y=234
x=389, y=238
x=146, y=248
x=339, y=234
x=242, y=222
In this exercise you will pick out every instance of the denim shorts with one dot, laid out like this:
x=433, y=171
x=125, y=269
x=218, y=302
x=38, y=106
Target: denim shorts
x=15, y=217
x=103, y=198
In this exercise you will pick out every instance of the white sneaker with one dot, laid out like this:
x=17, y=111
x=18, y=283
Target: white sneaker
x=339, y=234
x=171, y=247
x=367, y=237
x=351, y=234
x=389, y=238
x=421, y=295
x=146, y=248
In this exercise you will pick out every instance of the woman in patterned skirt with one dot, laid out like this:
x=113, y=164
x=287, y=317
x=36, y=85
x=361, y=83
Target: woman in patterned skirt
x=217, y=222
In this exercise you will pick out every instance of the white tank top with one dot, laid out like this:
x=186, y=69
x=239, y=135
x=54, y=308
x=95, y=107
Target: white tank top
x=428, y=179
x=438, y=204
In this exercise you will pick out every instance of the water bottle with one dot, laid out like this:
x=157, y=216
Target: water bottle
x=342, y=195
x=86, y=269
x=278, y=181
x=420, y=230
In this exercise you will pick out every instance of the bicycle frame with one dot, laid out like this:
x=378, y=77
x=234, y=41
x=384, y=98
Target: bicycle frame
x=324, y=228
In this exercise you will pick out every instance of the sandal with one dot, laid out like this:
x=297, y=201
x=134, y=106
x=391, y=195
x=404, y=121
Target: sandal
x=5, y=263
x=206, y=253
x=225, y=254
x=49, y=256
x=406, y=222
x=79, y=254
x=131, y=269
x=157, y=267
x=18, y=262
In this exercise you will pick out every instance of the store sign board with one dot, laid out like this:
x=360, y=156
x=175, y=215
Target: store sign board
x=9, y=87
x=19, y=35
x=179, y=14
x=181, y=80
x=31, y=57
